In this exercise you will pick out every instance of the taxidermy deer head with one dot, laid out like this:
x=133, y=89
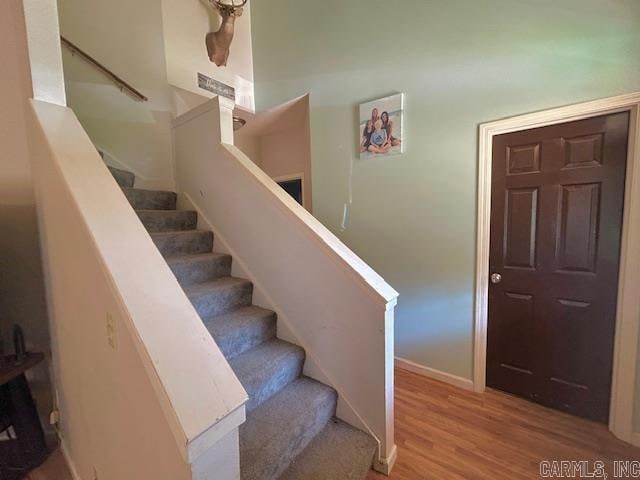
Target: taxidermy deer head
x=218, y=43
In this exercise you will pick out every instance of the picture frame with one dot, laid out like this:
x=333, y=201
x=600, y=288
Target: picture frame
x=380, y=126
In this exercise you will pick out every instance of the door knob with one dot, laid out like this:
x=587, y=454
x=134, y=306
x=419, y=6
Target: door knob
x=496, y=278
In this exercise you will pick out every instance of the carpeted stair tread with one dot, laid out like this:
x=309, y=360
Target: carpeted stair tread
x=220, y=295
x=279, y=429
x=290, y=432
x=183, y=242
x=123, y=178
x=242, y=329
x=168, y=220
x=141, y=199
x=268, y=368
x=200, y=267
x=339, y=451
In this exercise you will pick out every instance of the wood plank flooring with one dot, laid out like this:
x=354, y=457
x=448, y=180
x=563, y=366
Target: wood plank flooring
x=443, y=432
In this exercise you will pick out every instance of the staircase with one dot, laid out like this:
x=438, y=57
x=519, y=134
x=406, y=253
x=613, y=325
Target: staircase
x=291, y=432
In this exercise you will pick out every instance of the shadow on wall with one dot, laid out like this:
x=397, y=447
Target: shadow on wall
x=23, y=299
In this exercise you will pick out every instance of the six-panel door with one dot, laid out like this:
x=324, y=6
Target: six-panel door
x=556, y=219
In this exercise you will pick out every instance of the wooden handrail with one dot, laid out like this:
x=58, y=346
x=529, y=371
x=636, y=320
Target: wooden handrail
x=120, y=83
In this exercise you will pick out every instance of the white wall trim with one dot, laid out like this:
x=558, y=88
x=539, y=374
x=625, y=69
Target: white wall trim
x=429, y=372
x=293, y=176
x=628, y=306
x=72, y=467
x=385, y=465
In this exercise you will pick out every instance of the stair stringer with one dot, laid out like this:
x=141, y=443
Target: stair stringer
x=285, y=331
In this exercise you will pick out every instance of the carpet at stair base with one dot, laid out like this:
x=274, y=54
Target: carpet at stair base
x=267, y=369
x=337, y=452
x=291, y=431
x=282, y=427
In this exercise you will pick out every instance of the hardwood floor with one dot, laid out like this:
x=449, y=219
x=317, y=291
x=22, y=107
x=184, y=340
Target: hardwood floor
x=443, y=432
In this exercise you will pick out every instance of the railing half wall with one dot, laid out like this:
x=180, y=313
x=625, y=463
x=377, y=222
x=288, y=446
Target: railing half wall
x=144, y=392
x=329, y=300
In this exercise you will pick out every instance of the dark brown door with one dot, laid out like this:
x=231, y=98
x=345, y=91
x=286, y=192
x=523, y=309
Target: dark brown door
x=556, y=218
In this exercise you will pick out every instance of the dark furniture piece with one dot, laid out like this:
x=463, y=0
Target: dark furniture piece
x=26, y=448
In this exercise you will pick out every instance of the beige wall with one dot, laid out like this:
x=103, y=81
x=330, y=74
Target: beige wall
x=108, y=407
x=15, y=179
x=185, y=25
x=127, y=38
x=285, y=154
x=278, y=141
x=22, y=297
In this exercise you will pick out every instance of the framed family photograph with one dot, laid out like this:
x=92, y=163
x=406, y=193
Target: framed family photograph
x=381, y=126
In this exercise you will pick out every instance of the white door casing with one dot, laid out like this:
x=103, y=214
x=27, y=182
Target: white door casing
x=628, y=306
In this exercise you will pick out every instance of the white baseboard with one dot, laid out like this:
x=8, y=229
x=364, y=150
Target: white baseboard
x=445, y=377
x=70, y=464
x=385, y=465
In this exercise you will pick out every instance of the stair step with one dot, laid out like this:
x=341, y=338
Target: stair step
x=201, y=267
x=220, y=295
x=123, y=178
x=279, y=429
x=242, y=329
x=183, y=242
x=150, y=199
x=168, y=220
x=268, y=368
x=338, y=452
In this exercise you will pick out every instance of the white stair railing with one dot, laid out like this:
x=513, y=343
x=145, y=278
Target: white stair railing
x=144, y=392
x=328, y=300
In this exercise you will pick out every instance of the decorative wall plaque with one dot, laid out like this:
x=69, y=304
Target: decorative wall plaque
x=214, y=86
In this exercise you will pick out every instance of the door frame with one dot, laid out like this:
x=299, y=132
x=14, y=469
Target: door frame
x=293, y=176
x=627, y=327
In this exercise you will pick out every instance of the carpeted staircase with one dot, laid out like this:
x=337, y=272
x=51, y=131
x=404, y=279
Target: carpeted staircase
x=291, y=432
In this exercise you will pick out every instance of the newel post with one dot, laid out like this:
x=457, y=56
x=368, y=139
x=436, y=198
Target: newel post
x=226, y=107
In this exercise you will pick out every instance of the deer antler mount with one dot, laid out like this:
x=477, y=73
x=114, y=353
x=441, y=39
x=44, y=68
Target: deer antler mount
x=218, y=43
